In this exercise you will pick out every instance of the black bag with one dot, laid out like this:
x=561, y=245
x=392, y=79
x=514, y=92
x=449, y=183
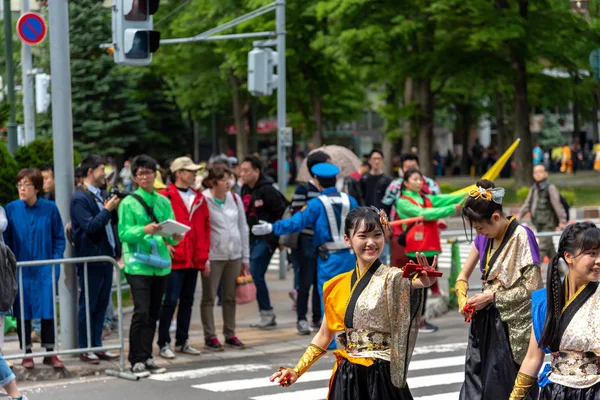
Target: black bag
x=8, y=278
x=290, y=241
x=563, y=201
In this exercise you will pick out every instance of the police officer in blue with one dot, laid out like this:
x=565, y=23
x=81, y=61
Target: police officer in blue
x=326, y=214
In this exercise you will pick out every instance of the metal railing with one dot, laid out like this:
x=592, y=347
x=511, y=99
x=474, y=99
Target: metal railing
x=121, y=373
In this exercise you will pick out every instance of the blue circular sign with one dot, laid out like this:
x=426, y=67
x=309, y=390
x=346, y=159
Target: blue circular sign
x=31, y=28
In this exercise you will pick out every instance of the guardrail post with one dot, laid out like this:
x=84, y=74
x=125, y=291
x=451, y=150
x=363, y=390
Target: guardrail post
x=455, y=268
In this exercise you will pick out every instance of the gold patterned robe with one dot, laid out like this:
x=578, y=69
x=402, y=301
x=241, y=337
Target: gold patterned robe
x=379, y=314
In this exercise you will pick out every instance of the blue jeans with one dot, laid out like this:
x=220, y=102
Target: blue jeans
x=99, y=284
x=6, y=374
x=181, y=287
x=304, y=259
x=260, y=257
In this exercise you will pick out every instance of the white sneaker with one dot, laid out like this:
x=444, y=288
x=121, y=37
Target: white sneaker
x=187, y=349
x=153, y=368
x=166, y=352
x=139, y=369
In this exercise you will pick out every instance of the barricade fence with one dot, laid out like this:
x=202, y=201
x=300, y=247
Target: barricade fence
x=122, y=373
x=455, y=238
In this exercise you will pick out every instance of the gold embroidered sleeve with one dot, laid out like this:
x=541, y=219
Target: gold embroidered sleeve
x=310, y=356
x=523, y=384
x=514, y=306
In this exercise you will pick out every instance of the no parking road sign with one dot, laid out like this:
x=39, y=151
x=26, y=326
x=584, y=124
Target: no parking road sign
x=31, y=28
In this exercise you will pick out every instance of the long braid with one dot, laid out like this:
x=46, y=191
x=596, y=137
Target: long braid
x=576, y=238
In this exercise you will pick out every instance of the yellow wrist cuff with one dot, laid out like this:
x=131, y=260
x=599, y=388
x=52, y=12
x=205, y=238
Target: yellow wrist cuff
x=523, y=384
x=461, y=288
x=310, y=356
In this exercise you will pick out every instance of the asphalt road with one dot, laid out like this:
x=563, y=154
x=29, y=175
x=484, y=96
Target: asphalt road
x=435, y=373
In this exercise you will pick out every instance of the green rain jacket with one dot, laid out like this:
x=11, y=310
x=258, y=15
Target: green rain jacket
x=132, y=219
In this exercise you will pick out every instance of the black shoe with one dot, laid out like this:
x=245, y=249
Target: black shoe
x=235, y=343
x=426, y=327
x=316, y=325
x=213, y=344
x=153, y=368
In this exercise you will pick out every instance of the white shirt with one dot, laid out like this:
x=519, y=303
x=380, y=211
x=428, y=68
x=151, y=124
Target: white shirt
x=188, y=198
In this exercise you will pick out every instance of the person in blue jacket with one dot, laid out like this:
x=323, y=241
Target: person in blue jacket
x=35, y=232
x=326, y=214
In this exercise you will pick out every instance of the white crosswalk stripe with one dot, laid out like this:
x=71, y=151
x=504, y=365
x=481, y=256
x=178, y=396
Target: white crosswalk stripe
x=436, y=372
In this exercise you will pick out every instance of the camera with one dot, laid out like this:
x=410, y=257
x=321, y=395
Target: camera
x=115, y=191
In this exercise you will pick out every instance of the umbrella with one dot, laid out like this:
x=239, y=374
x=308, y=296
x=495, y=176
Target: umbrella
x=342, y=157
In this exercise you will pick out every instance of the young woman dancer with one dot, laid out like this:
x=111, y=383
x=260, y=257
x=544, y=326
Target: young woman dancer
x=377, y=310
x=424, y=236
x=508, y=257
x=566, y=323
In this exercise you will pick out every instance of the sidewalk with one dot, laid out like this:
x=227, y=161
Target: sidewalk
x=259, y=342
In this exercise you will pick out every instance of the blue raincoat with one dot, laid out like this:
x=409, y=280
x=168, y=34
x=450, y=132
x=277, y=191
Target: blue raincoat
x=35, y=233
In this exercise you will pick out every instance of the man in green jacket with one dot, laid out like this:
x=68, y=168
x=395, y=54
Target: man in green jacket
x=147, y=260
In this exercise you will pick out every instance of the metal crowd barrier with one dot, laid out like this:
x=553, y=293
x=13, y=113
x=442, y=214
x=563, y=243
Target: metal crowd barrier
x=121, y=373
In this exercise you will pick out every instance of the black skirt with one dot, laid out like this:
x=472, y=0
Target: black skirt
x=357, y=382
x=554, y=391
x=490, y=369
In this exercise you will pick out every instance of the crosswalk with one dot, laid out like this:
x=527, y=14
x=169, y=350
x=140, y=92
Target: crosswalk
x=444, y=259
x=436, y=372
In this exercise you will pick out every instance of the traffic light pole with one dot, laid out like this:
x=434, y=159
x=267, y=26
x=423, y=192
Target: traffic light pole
x=62, y=128
x=279, y=7
x=10, y=79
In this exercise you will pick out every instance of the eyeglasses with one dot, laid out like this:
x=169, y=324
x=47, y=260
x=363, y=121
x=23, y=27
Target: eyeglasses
x=145, y=174
x=23, y=185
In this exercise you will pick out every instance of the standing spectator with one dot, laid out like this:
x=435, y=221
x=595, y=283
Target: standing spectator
x=49, y=184
x=147, y=260
x=477, y=151
x=229, y=256
x=566, y=163
x=547, y=212
x=92, y=219
x=35, y=232
x=373, y=186
x=262, y=202
x=189, y=256
x=538, y=155
x=438, y=162
x=305, y=256
x=125, y=175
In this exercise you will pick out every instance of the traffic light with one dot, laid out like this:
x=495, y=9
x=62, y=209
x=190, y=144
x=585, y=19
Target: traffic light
x=133, y=37
x=261, y=71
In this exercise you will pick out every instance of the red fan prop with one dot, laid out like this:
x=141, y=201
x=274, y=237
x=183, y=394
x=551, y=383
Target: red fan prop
x=411, y=267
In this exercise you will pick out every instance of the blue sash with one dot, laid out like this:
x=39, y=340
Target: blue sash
x=538, y=316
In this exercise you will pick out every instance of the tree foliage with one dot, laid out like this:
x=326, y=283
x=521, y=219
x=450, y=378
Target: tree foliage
x=39, y=153
x=8, y=173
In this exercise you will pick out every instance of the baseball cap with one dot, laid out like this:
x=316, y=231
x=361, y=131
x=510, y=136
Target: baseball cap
x=184, y=163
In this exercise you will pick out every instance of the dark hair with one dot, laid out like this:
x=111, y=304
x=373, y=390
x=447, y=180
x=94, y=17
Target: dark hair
x=315, y=158
x=370, y=215
x=255, y=162
x=216, y=173
x=327, y=182
x=48, y=167
x=576, y=239
x=408, y=157
x=92, y=161
x=143, y=161
x=480, y=209
x=34, y=175
x=366, y=164
x=375, y=151
x=79, y=172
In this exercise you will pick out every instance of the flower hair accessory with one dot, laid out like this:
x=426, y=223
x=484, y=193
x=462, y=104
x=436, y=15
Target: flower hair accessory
x=496, y=194
x=383, y=218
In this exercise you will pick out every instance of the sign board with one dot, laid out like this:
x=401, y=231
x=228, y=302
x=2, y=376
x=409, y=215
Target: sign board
x=32, y=28
x=285, y=137
x=595, y=62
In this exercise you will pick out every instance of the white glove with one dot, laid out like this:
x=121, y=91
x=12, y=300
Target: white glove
x=262, y=228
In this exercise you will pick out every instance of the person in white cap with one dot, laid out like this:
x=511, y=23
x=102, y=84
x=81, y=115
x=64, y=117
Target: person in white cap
x=189, y=256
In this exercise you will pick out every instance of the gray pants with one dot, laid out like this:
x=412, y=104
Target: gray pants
x=545, y=243
x=226, y=272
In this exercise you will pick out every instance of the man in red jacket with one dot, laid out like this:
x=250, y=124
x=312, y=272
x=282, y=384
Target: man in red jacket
x=189, y=256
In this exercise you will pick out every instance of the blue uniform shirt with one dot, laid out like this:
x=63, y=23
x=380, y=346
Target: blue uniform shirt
x=313, y=215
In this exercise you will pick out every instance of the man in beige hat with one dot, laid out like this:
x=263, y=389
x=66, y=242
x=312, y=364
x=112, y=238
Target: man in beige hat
x=189, y=256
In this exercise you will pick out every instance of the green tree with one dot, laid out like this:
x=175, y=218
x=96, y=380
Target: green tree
x=8, y=173
x=38, y=153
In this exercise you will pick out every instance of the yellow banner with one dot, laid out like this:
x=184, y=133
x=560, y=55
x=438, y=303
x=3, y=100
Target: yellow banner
x=494, y=171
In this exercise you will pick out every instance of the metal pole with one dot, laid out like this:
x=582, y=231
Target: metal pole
x=10, y=79
x=28, y=102
x=62, y=127
x=281, y=113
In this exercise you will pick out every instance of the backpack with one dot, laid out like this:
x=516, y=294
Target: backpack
x=563, y=202
x=8, y=278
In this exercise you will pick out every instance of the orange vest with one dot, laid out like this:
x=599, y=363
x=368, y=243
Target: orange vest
x=424, y=235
